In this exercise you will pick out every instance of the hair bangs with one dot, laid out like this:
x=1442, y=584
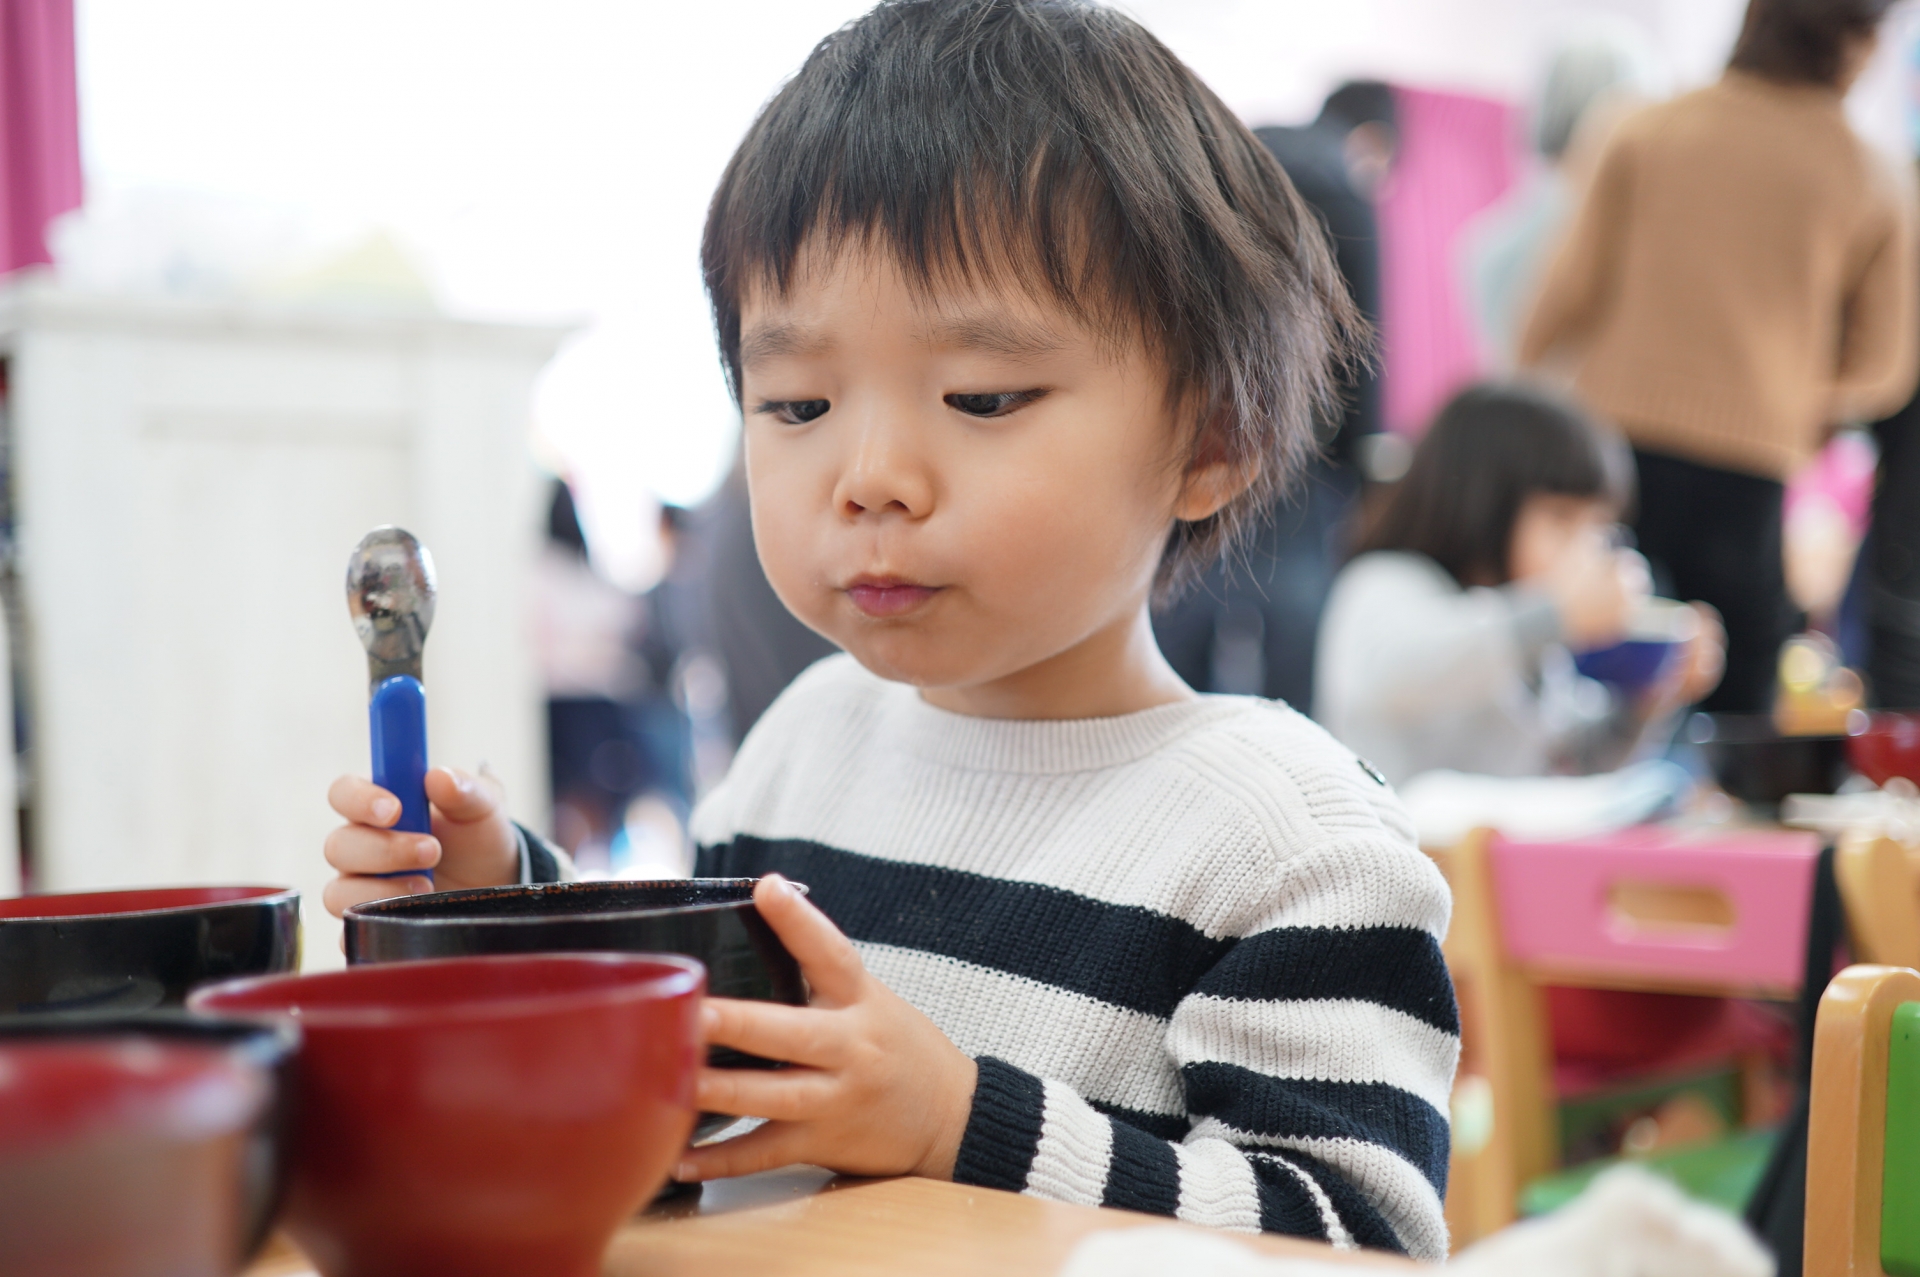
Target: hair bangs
x=1056, y=147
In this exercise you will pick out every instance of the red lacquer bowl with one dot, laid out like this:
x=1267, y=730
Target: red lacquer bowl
x=1888, y=745
x=491, y=1117
x=124, y=1157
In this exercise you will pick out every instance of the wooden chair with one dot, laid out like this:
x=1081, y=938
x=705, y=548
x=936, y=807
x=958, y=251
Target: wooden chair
x=1880, y=888
x=1647, y=910
x=1863, y=1128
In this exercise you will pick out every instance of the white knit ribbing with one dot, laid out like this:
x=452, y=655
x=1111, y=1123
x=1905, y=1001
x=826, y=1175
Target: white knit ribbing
x=1217, y=1187
x=1391, y=1184
x=1076, y=1148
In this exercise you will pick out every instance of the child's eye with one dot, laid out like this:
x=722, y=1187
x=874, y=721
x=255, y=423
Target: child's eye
x=795, y=412
x=995, y=404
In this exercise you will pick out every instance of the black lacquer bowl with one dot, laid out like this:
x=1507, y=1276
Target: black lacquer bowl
x=116, y=952
x=1756, y=764
x=711, y=919
x=270, y=1048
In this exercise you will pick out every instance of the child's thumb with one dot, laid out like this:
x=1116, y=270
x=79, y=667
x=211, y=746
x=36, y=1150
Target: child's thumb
x=462, y=796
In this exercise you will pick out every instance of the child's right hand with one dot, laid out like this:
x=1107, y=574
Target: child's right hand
x=473, y=843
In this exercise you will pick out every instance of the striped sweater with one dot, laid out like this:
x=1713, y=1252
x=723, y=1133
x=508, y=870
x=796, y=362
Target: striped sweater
x=1194, y=950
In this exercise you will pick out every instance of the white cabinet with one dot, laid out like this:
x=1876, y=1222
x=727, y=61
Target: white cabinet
x=189, y=479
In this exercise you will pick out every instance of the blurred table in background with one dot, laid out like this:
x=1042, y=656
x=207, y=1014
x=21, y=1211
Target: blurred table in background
x=804, y=1222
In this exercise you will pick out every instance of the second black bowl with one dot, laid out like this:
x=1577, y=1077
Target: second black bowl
x=118, y=952
x=711, y=919
x=1756, y=764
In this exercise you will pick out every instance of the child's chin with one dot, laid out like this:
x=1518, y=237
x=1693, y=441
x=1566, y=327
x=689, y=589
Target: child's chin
x=910, y=662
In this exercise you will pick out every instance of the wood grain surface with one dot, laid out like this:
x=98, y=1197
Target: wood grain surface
x=803, y=1222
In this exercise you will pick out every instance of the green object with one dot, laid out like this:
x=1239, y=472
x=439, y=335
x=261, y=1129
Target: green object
x=1591, y=1125
x=1722, y=1173
x=1900, y=1164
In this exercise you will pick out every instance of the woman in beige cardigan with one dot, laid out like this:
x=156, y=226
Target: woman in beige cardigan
x=1740, y=278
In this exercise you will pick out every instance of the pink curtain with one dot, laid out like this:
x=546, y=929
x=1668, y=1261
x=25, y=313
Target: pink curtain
x=39, y=126
x=1457, y=155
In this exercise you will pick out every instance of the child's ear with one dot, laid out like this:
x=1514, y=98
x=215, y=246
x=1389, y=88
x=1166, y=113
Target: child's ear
x=1208, y=487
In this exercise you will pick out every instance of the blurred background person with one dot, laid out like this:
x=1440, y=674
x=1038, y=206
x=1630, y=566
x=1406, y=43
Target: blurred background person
x=615, y=732
x=1249, y=627
x=1447, y=640
x=1739, y=279
x=1598, y=76
x=760, y=645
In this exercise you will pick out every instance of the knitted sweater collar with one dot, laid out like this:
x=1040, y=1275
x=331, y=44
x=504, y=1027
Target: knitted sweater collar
x=1051, y=746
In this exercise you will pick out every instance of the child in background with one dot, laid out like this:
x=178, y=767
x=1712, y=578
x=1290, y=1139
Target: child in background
x=1445, y=640
x=1025, y=324
x=1445, y=645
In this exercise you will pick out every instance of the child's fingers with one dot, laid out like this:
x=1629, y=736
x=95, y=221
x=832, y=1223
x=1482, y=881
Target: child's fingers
x=827, y=958
x=342, y=894
x=773, y=1145
x=798, y=1035
x=364, y=803
x=781, y=1095
x=356, y=849
x=462, y=797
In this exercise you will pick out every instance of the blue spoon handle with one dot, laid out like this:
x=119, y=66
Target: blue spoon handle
x=397, y=721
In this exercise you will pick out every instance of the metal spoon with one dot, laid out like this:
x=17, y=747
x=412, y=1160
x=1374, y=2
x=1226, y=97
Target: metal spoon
x=390, y=594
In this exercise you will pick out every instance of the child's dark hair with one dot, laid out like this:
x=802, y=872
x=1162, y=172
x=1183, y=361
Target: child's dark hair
x=1056, y=145
x=1491, y=448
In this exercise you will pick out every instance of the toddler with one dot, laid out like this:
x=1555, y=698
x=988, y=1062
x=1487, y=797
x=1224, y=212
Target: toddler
x=1445, y=640
x=1024, y=324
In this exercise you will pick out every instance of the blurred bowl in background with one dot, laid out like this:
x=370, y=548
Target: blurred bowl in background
x=1885, y=744
x=1754, y=763
x=115, y=952
x=272, y=1049
x=1660, y=631
x=491, y=1117
x=126, y=1156
x=712, y=920
x=106, y=953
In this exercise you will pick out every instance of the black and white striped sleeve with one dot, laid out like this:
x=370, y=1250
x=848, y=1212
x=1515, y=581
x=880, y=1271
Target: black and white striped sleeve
x=1316, y=1064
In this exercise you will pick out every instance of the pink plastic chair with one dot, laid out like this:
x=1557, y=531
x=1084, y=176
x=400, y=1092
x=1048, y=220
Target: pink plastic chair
x=1657, y=908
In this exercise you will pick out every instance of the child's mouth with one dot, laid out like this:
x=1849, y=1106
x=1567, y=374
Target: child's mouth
x=884, y=596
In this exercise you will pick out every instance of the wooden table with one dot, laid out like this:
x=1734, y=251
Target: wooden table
x=803, y=1222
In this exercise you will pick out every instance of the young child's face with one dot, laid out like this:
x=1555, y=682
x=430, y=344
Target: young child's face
x=957, y=488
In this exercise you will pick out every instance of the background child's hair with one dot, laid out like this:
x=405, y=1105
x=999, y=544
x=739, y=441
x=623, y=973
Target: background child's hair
x=1055, y=145
x=1491, y=448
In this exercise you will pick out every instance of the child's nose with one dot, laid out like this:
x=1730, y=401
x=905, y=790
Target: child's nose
x=885, y=474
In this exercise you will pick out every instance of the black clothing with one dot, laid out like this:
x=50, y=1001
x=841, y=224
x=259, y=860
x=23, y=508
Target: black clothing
x=1892, y=568
x=1249, y=627
x=1315, y=161
x=1715, y=535
x=762, y=645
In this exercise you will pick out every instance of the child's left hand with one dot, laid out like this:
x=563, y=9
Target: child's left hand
x=873, y=1087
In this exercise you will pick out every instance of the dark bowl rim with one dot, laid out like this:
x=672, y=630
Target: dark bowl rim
x=371, y=912
x=271, y=895
x=241, y=1033
x=686, y=974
